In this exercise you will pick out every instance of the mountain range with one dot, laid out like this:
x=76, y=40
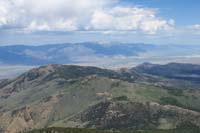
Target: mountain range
x=139, y=98
x=16, y=59
x=89, y=52
x=63, y=53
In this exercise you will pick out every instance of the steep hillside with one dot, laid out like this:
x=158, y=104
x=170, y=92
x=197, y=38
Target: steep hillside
x=56, y=95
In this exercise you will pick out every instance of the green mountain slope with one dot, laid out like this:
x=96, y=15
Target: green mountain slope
x=57, y=95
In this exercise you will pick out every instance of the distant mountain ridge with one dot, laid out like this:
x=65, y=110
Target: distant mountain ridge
x=190, y=72
x=94, y=53
x=62, y=53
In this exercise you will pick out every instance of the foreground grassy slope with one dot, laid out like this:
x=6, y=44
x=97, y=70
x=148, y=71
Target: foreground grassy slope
x=70, y=130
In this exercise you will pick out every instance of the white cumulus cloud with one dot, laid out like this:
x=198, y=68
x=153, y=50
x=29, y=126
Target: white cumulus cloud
x=73, y=15
x=195, y=27
x=126, y=18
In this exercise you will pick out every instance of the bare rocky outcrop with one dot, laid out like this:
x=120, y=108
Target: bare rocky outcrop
x=28, y=117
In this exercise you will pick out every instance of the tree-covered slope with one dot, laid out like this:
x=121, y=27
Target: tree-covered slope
x=189, y=129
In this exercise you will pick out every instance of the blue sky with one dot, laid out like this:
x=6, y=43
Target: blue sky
x=35, y=22
x=184, y=12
